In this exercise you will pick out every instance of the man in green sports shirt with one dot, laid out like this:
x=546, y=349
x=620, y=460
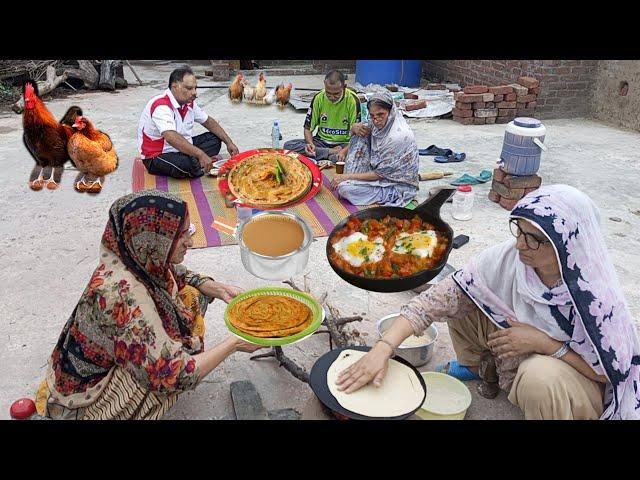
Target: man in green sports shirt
x=331, y=114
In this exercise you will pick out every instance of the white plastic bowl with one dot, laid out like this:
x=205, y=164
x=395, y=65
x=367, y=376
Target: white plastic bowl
x=453, y=397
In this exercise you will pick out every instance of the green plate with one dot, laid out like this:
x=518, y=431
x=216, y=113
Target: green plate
x=316, y=310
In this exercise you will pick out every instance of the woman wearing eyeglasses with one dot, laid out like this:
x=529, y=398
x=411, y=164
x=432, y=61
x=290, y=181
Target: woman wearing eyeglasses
x=548, y=307
x=382, y=163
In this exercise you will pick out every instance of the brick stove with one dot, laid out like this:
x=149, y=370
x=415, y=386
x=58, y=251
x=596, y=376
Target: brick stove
x=508, y=189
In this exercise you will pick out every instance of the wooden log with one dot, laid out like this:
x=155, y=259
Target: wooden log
x=107, y=75
x=86, y=72
x=121, y=82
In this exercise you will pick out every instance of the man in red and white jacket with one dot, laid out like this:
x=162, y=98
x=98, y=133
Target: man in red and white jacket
x=165, y=131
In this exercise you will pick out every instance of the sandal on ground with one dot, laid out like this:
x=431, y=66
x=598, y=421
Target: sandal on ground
x=433, y=150
x=454, y=157
x=466, y=179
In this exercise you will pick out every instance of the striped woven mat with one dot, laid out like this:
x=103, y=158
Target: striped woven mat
x=322, y=212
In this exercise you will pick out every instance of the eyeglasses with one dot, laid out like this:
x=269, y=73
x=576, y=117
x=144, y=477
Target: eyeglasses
x=531, y=240
x=380, y=115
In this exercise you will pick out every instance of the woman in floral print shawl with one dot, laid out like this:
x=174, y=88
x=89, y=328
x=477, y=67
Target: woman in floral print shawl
x=547, y=305
x=135, y=340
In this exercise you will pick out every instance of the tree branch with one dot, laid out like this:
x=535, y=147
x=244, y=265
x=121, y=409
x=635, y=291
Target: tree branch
x=298, y=372
x=344, y=320
x=289, y=365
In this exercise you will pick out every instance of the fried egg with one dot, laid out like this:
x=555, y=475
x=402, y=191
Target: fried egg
x=419, y=244
x=358, y=249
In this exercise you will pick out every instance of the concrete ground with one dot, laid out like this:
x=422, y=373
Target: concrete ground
x=49, y=239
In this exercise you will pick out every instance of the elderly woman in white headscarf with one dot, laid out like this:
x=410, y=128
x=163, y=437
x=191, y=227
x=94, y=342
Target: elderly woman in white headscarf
x=547, y=305
x=382, y=164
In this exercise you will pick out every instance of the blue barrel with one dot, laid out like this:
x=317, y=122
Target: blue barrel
x=410, y=73
x=405, y=73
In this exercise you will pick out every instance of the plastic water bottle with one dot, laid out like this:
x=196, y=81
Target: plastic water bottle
x=243, y=213
x=275, y=134
x=463, y=203
x=364, y=113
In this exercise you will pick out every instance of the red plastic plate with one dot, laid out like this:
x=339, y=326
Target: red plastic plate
x=316, y=176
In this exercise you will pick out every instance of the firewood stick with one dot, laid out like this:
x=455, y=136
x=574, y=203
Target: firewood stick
x=298, y=372
x=345, y=320
x=263, y=355
x=134, y=72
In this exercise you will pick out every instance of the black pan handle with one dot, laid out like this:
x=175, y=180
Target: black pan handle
x=439, y=196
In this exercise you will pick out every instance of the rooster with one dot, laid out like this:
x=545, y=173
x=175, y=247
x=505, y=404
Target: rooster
x=93, y=153
x=236, y=88
x=45, y=139
x=283, y=93
x=261, y=88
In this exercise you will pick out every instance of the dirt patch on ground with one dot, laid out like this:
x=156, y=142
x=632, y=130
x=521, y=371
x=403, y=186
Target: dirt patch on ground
x=6, y=130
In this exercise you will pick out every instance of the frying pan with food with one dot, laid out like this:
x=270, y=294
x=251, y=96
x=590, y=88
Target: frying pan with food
x=428, y=211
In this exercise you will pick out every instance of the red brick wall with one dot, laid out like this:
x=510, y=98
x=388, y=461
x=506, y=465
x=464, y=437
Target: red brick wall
x=346, y=66
x=566, y=86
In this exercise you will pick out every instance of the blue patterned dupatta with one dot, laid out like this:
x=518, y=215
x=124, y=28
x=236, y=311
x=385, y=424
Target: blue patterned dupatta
x=589, y=309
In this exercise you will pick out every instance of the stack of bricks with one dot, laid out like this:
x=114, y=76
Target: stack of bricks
x=508, y=189
x=479, y=104
x=444, y=86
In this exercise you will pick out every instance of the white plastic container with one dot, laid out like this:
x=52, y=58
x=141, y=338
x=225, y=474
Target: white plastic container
x=463, y=203
x=523, y=146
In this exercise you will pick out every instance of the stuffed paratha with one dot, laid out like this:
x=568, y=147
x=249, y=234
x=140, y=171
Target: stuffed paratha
x=258, y=180
x=270, y=316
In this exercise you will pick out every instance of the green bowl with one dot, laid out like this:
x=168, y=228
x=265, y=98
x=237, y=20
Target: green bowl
x=316, y=310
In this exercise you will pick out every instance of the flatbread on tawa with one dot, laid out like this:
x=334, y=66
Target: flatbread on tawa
x=399, y=394
x=270, y=316
x=253, y=180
